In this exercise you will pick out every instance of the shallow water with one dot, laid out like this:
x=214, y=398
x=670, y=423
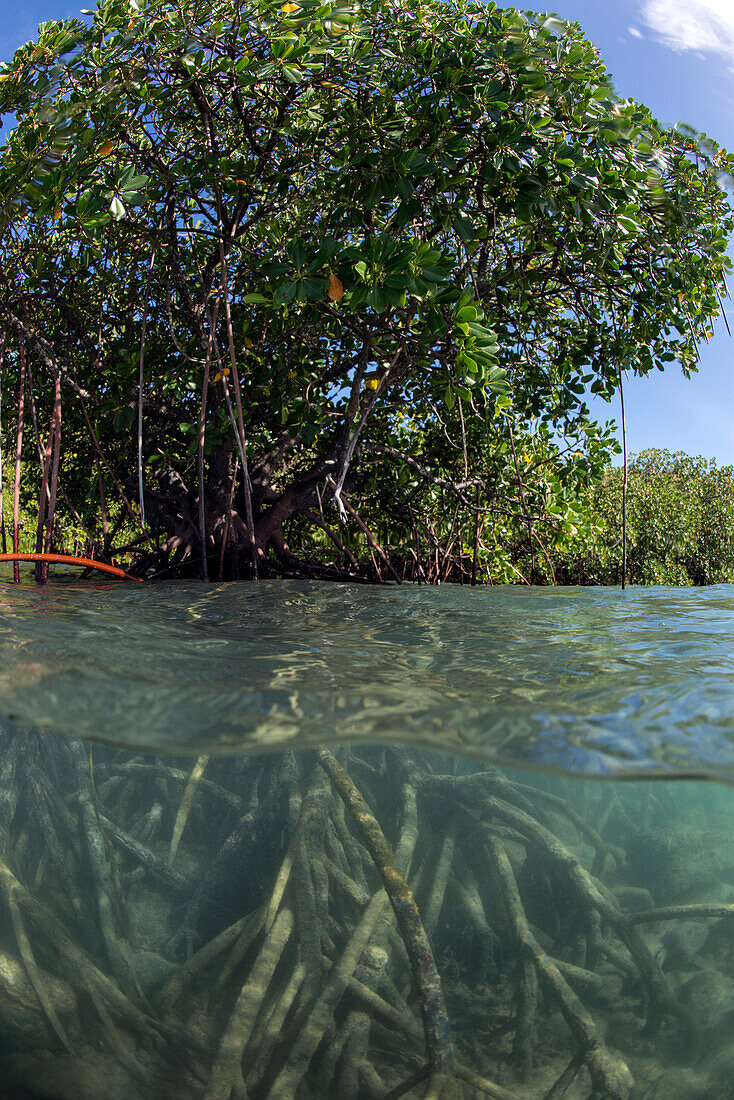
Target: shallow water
x=215, y=927
x=263, y=960
x=592, y=680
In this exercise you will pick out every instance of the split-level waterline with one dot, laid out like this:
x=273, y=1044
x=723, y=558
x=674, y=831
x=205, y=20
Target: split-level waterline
x=296, y=840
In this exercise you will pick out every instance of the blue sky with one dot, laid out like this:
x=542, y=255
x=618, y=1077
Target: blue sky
x=677, y=56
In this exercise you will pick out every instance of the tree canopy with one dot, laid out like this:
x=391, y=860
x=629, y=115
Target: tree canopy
x=365, y=254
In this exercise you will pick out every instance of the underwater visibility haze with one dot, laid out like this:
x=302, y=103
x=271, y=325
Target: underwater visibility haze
x=200, y=900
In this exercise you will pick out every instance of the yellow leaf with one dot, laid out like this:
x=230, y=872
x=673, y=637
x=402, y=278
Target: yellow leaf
x=242, y=183
x=105, y=148
x=57, y=213
x=6, y=76
x=329, y=84
x=248, y=342
x=372, y=383
x=288, y=8
x=336, y=289
x=217, y=377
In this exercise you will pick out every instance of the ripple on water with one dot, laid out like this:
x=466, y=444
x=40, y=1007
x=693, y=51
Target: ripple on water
x=582, y=679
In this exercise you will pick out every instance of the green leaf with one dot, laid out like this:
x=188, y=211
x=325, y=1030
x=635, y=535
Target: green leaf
x=117, y=209
x=465, y=228
x=292, y=74
x=434, y=274
x=136, y=183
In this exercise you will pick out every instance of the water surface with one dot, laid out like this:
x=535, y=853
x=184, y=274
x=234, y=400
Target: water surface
x=180, y=929
x=588, y=680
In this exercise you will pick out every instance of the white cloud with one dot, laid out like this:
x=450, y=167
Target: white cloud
x=634, y=32
x=705, y=25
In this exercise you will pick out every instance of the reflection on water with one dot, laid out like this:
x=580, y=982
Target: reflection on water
x=217, y=929
x=586, y=679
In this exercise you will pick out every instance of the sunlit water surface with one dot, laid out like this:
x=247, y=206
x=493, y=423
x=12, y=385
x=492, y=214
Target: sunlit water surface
x=214, y=928
x=590, y=680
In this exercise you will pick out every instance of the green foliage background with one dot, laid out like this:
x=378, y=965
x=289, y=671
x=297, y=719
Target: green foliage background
x=436, y=227
x=680, y=524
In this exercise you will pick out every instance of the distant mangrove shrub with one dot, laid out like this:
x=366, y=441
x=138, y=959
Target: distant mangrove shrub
x=680, y=524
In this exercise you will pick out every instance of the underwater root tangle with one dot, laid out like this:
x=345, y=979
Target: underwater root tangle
x=362, y=924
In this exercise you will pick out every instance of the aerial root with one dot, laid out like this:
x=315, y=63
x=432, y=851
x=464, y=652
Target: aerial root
x=524, y=1040
x=185, y=808
x=561, y=1085
x=244, y=828
x=314, y=943
x=116, y=947
x=199, y=963
x=611, y=1078
x=440, y=1087
x=80, y=972
x=423, y=967
x=34, y=974
x=227, y=1071
x=321, y=1012
x=273, y=1027
x=147, y=859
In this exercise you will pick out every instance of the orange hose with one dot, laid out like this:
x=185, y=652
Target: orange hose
x=67, y=559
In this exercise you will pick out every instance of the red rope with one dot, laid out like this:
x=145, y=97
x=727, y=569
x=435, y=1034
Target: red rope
x=67, y=559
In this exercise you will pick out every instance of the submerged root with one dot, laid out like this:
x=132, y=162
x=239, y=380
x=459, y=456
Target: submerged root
x=34, y=974
x=185, y=808
x=226, y=1075
x=276, y=929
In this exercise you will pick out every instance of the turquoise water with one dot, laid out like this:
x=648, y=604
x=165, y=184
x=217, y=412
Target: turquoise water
x=591, y=680
x=188, y=914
